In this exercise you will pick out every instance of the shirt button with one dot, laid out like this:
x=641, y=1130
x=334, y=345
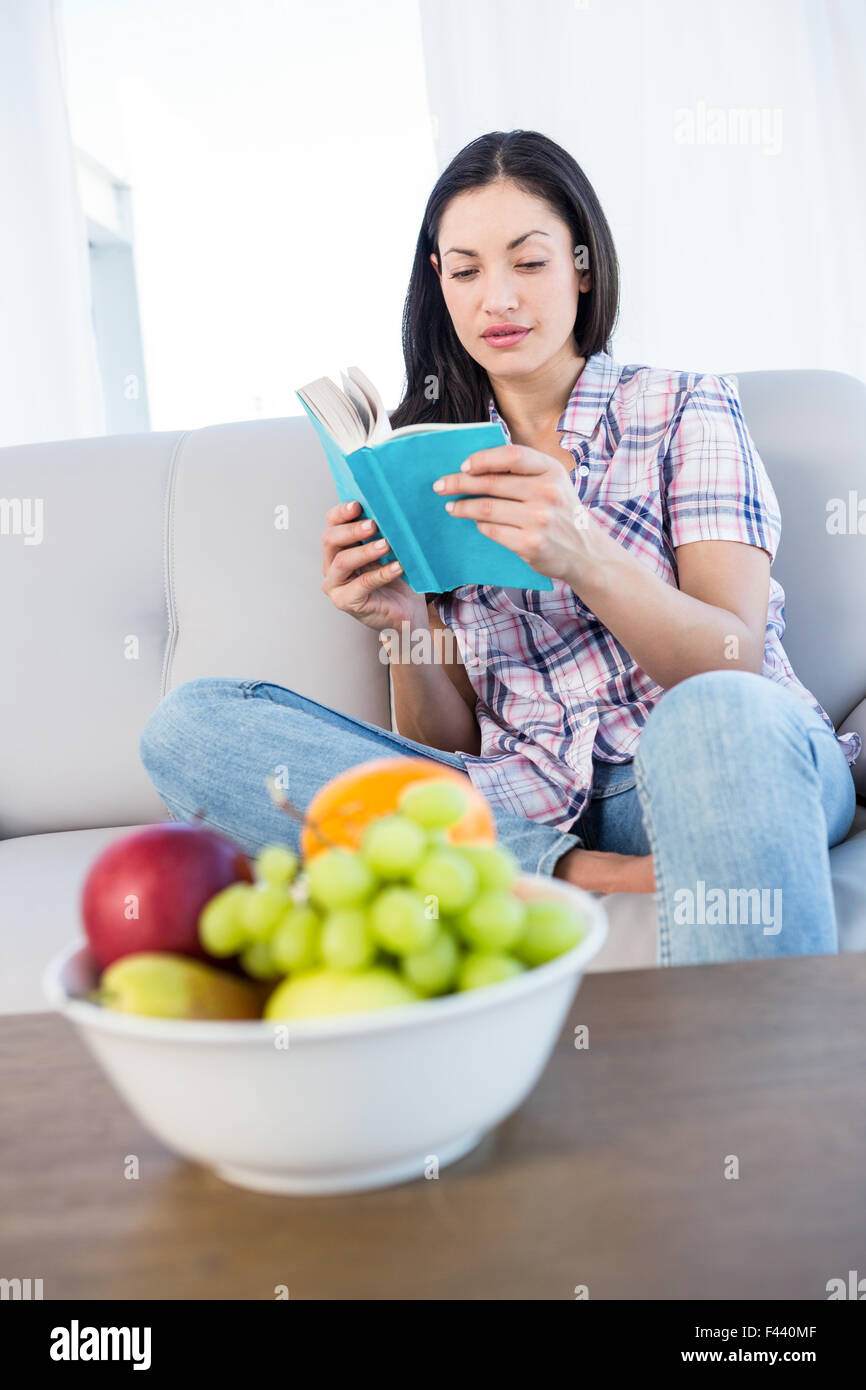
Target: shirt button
x=583, y=470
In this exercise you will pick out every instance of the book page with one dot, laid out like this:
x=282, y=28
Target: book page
x=430, y=428
x=361, y=404
x=381, y=426
x=335, y=411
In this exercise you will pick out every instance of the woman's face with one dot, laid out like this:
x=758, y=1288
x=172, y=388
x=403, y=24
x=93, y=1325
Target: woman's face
x=487, y=281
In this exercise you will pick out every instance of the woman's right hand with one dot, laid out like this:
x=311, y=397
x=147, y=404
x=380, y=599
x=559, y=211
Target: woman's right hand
x=354, y=579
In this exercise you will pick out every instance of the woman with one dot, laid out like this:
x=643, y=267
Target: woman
x=639, y=493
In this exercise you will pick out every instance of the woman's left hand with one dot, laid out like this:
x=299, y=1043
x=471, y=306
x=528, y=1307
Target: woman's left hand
x=532, y=507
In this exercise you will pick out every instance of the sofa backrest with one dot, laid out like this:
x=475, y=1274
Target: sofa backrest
x=810, y=430
x=163, y=557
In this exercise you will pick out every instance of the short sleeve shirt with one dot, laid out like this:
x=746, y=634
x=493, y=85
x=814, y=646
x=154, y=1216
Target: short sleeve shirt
x=661, y=458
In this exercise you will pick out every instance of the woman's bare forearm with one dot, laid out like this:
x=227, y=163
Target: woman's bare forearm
x=428, y=708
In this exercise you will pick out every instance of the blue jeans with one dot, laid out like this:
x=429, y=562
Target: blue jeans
x=737, y=789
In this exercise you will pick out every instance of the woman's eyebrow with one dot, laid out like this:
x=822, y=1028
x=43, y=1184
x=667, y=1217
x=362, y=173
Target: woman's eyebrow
x=456, y=250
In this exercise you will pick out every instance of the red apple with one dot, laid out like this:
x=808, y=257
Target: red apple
x=146, y=890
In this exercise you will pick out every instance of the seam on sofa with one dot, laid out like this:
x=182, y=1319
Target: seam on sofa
x=168, y=561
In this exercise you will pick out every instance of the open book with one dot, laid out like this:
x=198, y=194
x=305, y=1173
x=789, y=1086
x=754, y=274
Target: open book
x=392, y=472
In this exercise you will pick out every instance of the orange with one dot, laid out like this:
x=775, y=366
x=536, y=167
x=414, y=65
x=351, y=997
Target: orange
x=342, y=809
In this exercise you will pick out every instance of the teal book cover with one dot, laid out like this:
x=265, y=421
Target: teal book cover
x=393, y=481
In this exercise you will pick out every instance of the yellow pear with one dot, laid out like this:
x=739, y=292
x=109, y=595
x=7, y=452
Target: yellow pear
x=164, y=985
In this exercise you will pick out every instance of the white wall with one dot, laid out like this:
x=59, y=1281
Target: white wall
x=737, y=255
x=280, y=156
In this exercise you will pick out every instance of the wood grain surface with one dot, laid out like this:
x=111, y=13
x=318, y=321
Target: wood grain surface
x=611, y=1175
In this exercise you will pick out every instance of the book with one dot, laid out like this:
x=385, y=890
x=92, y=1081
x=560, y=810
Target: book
x=391, y=473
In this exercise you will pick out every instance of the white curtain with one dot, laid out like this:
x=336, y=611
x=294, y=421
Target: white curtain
x=49, y=376
x=725, y=142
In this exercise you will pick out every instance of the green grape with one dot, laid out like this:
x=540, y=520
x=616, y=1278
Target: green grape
x=496, y=867
x=295, y=943
x=389, y=960
x=339, y=878
x=322, y=992
x=398, y=920
x=479, y=968
x=550, y=929
x=445, y=874
x=392, y=846
x=433, y=969
x=257, y=960
x=276, y=864
x=434, y=803
x=493, y=922
x=221, y=926
x=346, y=943
x=263, y=908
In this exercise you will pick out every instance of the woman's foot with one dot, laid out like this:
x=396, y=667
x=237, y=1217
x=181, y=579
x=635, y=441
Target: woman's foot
x=601, y=871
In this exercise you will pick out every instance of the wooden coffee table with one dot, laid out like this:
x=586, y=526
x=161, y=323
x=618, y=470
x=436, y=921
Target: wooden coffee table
x=611, y=1175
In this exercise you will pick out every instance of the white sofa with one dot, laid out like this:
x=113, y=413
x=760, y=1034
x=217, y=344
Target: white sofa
x=159, y=561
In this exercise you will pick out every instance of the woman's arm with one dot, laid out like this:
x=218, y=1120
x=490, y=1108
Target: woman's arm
x=715, y=620
x=434, y=702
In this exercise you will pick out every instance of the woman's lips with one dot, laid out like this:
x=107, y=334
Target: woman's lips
x=506, y=339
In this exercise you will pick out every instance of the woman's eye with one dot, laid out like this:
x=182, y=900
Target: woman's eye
x=526, y=265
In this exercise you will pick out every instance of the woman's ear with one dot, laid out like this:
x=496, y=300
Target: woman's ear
x=434, y=261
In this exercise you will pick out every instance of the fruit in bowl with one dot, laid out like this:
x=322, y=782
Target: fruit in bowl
x=329, y=1023
x=414, y=901
x=344, y=1101
x=162, y=985
x=343, y=808
x=146, y=890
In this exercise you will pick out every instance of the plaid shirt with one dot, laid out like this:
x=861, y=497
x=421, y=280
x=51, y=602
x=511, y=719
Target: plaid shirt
x=661, y=458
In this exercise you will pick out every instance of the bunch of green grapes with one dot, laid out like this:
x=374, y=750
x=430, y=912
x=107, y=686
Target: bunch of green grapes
x=407, y=916
x=265, y=924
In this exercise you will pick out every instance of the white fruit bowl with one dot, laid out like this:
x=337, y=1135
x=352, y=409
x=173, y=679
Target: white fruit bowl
x=343, y=1103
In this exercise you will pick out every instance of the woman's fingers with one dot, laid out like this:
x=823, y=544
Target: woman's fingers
x=515, y=485
x=350, y=558
x=341, y=512
x=506, y=458
x=491, y=509
x=353, y=593
x=339, y=534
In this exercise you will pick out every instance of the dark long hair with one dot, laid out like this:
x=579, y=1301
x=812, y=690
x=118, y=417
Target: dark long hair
x=432, y=352
x=443, y=384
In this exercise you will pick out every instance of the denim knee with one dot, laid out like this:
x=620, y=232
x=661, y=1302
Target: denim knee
x=167, y=728
x=732, y=710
